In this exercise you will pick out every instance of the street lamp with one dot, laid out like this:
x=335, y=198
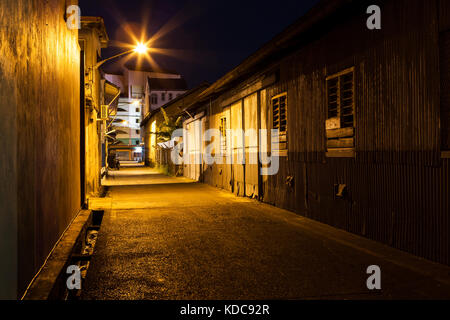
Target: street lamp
x=140, y=48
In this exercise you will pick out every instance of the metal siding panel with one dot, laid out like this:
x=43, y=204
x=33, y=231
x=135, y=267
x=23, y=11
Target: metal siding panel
x=398, y=185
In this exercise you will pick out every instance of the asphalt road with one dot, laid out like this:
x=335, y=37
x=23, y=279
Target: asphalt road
x=170, y=238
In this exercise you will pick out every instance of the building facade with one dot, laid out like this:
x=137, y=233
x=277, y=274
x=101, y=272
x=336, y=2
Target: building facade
x=143, y=90
x=157, y=153
x=92, y=39
x=363, y=117
x=162, y=90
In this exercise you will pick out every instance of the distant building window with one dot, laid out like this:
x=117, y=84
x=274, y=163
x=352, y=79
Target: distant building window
x=138, y=131
x=138, y=110
x=444, y=44
x=137, y=120
x=170, y=96
x=136, y=142
x=163, y=96
x=340, y=126
x=223, y=135
x=136, y=91
x=154, y=99
x=279, y=118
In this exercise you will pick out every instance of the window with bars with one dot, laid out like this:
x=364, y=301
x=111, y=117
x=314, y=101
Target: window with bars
x=279, y=118
x=223, y=135
x=279, y=113
x=340, y=123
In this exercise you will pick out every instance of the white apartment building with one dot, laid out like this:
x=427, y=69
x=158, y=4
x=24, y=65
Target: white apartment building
x=160, y=91
x=142, y=90
x=128, y=121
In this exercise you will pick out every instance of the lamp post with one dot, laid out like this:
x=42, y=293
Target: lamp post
x=140, y=49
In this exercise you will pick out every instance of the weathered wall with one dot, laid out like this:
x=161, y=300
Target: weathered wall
x=398, y=185
x=8, y=163
x=40, y=161
x=91, y=50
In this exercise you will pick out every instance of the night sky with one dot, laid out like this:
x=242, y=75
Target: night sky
x=206, y=38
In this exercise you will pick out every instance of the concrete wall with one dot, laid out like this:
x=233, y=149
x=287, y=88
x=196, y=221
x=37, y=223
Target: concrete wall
x=39, y=126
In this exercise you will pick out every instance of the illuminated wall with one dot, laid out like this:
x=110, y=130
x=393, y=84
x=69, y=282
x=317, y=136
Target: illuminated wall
x=93, y=38
x=40, y=130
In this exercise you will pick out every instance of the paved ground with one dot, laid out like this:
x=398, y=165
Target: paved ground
x=170, y=238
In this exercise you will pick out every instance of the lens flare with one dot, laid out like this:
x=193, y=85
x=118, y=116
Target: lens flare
x=141, y=48
x=145, y=41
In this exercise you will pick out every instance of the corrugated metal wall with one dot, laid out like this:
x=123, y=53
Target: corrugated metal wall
x=398, y=185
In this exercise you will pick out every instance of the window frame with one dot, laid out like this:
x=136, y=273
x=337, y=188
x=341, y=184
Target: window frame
x=283, y=138
x=153, y=98
x=340, y=132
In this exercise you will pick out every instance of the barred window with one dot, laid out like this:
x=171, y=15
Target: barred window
x=279, y=118
x=340, y=121
x=279, y=112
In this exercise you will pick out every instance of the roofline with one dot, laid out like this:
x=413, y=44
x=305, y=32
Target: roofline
x=168, y=104
x=112, y=84
x=100, y=24
x=318, y=13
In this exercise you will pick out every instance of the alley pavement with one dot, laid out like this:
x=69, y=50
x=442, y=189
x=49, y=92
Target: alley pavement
x=172, y=238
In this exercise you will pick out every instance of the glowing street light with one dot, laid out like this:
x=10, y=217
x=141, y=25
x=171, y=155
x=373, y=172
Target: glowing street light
x=140, y=48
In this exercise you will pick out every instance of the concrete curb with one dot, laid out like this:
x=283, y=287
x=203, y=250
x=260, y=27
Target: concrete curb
x=50, y=283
